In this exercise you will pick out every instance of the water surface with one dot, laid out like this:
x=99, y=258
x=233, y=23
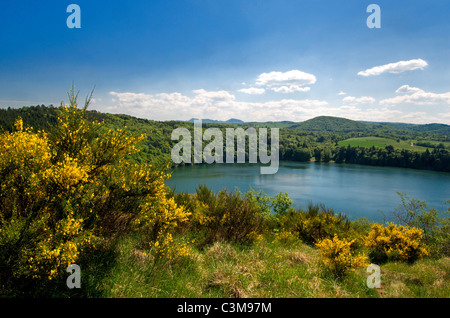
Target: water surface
x=356, y=190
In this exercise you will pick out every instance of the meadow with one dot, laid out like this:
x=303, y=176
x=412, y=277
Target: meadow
x=412, y=145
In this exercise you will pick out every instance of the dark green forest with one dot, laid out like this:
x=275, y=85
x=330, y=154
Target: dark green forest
x=316, y=139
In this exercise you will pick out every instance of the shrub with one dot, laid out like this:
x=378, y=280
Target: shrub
x=315, y=224
x=40, y=231
x=286, y=237
x=63, y=190
x=281, y=204
x=338, y=256
x=417, y=213
x=228, y=216
x=392, y=242
x=261, y=201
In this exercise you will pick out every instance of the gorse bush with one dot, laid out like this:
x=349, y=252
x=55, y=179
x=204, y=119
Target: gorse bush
x=338, y=256
x=40, y=231
x=315, y=224
x=63, y=190
x=285, y=237
x=392, y=243
x=228, y=216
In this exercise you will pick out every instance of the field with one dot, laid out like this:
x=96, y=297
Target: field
x=268, y=269
x=383, y=142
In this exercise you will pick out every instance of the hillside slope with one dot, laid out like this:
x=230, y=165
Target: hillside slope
x=332, y=124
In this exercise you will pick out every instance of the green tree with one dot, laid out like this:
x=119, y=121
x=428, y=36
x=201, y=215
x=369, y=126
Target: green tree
x=281, y=204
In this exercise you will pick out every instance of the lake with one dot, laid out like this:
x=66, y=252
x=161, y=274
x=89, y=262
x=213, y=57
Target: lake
x=356, y=190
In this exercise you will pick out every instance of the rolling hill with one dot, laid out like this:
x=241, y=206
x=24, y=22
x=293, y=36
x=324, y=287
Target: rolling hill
x=332, y=124
x=213, y=121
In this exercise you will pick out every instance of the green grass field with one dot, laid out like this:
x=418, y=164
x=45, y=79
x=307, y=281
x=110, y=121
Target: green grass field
x=264, y=270
x=383, y=142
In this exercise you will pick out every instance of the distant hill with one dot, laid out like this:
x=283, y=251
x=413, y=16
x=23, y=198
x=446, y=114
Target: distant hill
x=332, y=124
x=432, y=128
x=213, y=121
x=43, y=117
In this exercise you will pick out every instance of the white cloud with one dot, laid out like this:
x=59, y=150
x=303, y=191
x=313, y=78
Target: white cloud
x=286, y=82
x=290, y=89
x=359, y=100
x=252, y=91
x=397, y=67
x=205, y=96
x=341, y=93
x=417, y=96
x=210, y=104
x=222, y=105
x=407, y=89
x=294, y=77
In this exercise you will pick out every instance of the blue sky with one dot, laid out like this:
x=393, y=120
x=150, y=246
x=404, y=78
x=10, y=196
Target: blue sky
x=249, y=59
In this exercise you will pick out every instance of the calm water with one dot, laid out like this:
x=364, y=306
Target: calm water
x=356, y=190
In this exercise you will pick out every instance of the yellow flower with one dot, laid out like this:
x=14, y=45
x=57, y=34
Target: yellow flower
x=337, y=255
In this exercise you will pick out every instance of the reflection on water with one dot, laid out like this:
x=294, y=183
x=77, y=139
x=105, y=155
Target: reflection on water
x=356, y=190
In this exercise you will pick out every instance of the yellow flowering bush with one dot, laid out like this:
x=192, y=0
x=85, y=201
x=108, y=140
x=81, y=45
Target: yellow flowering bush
x=63, y=190
x=286, y=237
x=394, y=242
x=38, y=232
x=60, y=249
x=338, y=256
x=160, y=219
x=166, y=248
x=315, y=224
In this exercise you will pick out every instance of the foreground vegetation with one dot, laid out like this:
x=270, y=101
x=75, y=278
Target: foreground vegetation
x=225, y=269
x=79, y=192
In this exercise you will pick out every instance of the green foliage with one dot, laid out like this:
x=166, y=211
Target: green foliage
x=281, y=204
x=411, y=145
x=315, y=224
x=228, y=216
x=435, y=225
x=324, y=138
x=261, y=200
x=332, y=124
x=437, y=159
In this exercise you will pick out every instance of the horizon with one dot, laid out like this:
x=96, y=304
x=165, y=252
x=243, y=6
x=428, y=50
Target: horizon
x=241, y=121
x=252, y=61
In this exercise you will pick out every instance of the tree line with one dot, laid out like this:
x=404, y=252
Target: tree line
x=295, y=143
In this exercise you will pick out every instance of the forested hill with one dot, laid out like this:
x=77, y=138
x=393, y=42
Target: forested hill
x=332, y=124
x=432, y=128
x=156, y=147
x=337, y=124
x=321, y=139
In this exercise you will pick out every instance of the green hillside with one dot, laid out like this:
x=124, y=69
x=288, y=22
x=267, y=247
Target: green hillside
x=430, y=128
x=411, y=145
x=332, y=124
x=379, y=142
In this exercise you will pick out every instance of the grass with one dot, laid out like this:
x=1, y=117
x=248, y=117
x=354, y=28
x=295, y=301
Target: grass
x=265, y=270
x=381, y=142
